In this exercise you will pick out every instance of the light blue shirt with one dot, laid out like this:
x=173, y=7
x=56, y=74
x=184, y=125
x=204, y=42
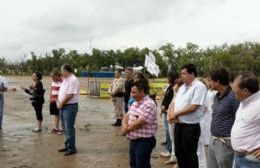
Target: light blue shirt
x=195, y=94
x=3, y=83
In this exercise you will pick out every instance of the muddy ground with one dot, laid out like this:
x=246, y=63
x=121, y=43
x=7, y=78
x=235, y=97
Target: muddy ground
x=99, y=144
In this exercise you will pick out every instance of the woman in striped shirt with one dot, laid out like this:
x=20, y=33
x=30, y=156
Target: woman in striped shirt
x=55, y=87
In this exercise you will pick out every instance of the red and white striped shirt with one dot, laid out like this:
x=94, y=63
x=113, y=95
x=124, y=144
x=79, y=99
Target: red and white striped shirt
x=55, y=87
x=147, y=111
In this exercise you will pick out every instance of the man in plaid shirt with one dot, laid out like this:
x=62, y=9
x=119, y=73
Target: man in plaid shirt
x=140, y=124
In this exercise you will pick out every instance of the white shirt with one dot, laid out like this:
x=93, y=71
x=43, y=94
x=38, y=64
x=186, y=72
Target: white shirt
x=207, y=117
x=69, y=85
x=3, y=83
x=187, y=95
x=245, y=134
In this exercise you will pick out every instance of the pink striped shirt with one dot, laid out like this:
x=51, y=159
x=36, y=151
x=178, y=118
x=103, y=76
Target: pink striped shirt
x=147, y=111
x=55, y=87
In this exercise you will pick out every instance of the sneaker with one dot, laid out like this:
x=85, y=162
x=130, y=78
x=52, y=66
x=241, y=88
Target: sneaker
x=60, y=132
x=165, y=154
x=37, y=130
x=171, y=161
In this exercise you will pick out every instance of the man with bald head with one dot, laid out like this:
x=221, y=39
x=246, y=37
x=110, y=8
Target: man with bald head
x=245, y=134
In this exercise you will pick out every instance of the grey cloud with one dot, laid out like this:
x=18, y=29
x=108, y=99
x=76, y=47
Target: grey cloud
x=107, y=18
x=120, y=23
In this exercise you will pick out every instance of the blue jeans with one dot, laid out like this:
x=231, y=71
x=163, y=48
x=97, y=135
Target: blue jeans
x=246, y=161
x=1, y=109
x=140, y=152
x=167, y=133
x=68, y=116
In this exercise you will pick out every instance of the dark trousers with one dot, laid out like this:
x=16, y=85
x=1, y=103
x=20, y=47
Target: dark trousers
x=126, y=106
x=140, y=152
x=38, y=110
x=186, y=137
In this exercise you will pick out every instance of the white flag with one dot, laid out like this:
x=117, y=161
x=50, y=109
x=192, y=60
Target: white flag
x=150, y=64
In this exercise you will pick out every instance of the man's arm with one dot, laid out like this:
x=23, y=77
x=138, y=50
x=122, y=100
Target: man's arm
x=124, y=123
x=66, y=99
x=186, y=110
x=137, y=124
x=170, y=111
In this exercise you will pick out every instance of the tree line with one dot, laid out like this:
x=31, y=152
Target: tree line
x=235, y=57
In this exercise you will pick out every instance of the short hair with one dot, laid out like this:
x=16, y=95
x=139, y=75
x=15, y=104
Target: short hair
x=141, y=76
x=248, y=81
x=67, y=67
x=118, y=71
x=143, y=79
x=191, y=68
x=221, y=75
x=56, y=72
x=142, y=85
x=129, y=69
x=38, y=75
x=172, y=77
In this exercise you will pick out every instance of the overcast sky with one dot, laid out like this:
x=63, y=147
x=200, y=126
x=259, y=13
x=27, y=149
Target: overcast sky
x=43, y=25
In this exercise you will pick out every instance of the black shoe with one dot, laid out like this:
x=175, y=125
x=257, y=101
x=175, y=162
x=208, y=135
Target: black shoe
x=62, y=150
x=163, y=143
x=68, y=153
x=117, y=123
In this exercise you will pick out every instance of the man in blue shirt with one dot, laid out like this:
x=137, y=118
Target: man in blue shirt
x=224, y=110
x=3, y=88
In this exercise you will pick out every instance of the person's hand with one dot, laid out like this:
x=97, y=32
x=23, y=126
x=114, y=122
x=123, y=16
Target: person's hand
x=173, y=117
x=124, y=129
x=168, y=118
x=162, y=111
x=52, y=100
x=256, y=153
x=59, y=105
x=31, y=87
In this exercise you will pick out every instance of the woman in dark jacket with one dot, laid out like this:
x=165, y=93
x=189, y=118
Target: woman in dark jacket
x=37, y=97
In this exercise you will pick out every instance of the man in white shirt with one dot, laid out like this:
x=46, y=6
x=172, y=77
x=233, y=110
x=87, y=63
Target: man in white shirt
x=245, y=134
x=3, y=88
x=67, y=102
x=187, y=112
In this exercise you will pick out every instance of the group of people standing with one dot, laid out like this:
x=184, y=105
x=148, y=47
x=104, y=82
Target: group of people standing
x=64, y=97
x=220, y=115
